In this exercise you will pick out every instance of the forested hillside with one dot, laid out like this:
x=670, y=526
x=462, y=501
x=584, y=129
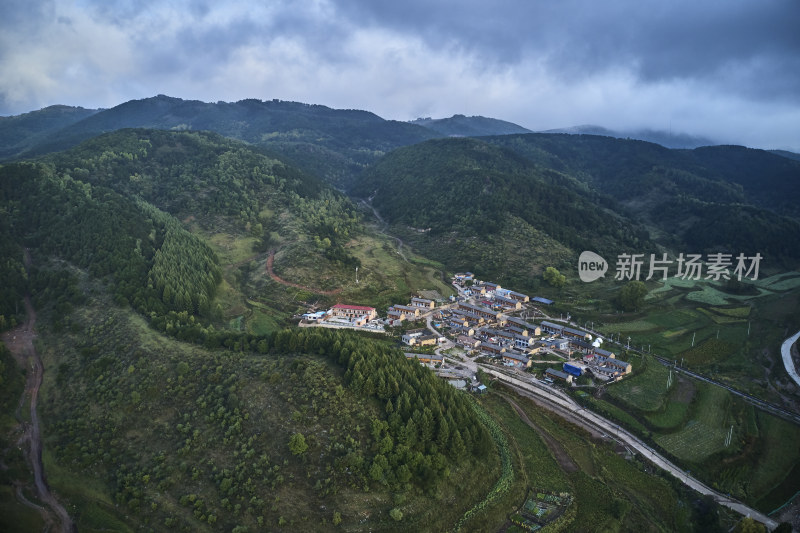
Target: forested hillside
x=165, y=267
x=273, y=424
x=304, y=432
x=109, y=206
x=631, y=169
x=727, y=198
x=21, y=133
x=332, y=142
x=460, y=195
x=462, y=126
x=584, y=193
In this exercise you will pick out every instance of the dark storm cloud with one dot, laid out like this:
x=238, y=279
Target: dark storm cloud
x=708, y=68
x=755, y=45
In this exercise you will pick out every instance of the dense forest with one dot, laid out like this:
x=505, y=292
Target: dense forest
x=474, y=206
x=256, y=436
x=584, y=193
x=110, y=205
x=735, y=192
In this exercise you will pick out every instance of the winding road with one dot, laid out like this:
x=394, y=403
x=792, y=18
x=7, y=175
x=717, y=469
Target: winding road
x=786, y=354
x=19, y=341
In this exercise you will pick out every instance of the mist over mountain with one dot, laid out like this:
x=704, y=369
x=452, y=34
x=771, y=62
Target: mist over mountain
x=787, y=154
x=667, y=139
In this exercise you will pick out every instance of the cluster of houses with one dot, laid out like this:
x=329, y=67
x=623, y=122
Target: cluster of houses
x=485, y=328
x=496, y=295
x=488, y=328
x=397, y=314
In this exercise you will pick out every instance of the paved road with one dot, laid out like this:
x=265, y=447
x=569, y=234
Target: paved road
x=786, y=353
x=633, y=442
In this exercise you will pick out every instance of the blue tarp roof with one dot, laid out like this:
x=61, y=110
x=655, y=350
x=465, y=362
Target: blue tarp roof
x=541, y=300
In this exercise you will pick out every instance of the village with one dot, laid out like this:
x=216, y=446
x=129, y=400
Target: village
x=487, y=324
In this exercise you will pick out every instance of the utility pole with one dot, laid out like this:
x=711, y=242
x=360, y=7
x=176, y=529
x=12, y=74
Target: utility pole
x=693, y=334
x=356, y=274
x=748, y=328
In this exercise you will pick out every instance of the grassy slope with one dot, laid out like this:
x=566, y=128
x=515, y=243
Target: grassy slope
x=690, y=420
x=612, y=494
x=265, y=305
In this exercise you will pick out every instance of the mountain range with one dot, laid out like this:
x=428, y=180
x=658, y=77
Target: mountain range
x=568, y=191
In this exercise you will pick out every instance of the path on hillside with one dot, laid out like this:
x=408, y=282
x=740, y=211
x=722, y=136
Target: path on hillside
x=275, y=277
x=20, y=342
x=786, y=354
x=555, y=447
x=384, y=227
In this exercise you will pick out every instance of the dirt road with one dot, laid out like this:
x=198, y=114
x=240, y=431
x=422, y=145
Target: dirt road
x=20, y=342
x=384, y=226
x=562, y=457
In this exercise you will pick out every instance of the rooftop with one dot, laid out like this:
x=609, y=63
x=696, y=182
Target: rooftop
x=353, y=307
x=557, y=373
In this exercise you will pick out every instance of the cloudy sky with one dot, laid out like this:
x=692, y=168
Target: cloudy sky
x=724, y=69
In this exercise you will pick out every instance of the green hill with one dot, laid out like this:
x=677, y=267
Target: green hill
x=21, y=133
x=144, y=430
x=479, y=207
x=718, y=198
x=237, y=208
x=509, y=205
x=631, y=169
x=463, y=126
x=334, y=142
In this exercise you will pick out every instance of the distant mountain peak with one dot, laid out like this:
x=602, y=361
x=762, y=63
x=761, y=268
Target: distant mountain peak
x=474, y=126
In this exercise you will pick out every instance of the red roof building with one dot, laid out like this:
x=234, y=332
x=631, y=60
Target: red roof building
x=350, y=311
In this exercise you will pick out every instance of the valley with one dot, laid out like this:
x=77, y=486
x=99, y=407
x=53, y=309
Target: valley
x=169, y=271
